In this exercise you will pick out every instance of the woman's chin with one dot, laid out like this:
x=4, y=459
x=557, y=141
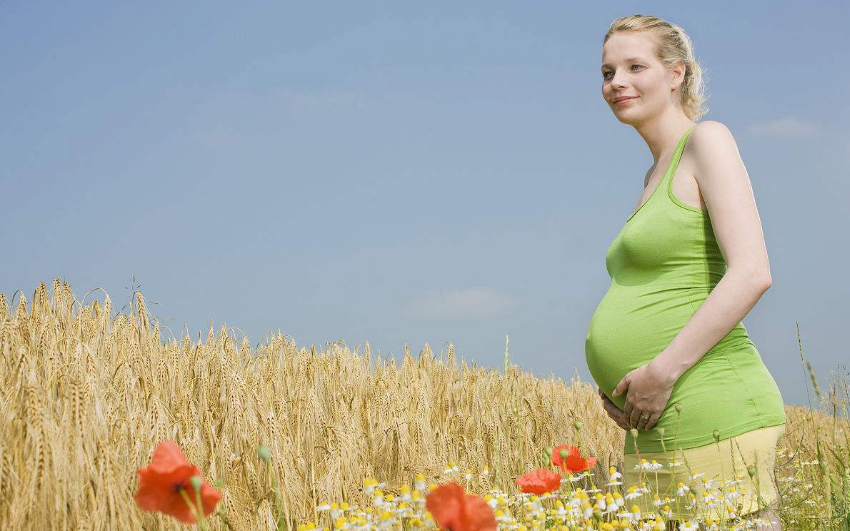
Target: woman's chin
x=627, y=117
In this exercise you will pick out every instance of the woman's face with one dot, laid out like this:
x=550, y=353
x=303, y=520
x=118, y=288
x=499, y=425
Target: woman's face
x=631, y=69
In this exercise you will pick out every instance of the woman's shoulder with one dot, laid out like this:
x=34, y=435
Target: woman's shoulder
x=710, y=131
x=710, y=139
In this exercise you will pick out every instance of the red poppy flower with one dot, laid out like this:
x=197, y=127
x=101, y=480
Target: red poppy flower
x=160, y=484
x=453, y=509
x=539, y=481
x=574, y=461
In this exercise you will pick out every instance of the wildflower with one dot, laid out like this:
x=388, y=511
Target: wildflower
x=419, y=482
x=502, y=517
x=710, y=484
x=539, y=481
x=569, y=459
x=710, y=498
x=682, y=489
x=647, y=465
x=453, y=509
x=732, y=494
x=618, y=498
x=688, y=526
x=451, y=468
x=161, y=484
x=633, y=492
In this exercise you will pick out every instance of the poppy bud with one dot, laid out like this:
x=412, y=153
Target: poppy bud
x=660, y=431
x=196, y=482
x=264, y=453
x=577, y=424
x=597, y=513
x=751, y=470
x=634, y=432
x=564, y=453
x=678, y=407
x=716, y=434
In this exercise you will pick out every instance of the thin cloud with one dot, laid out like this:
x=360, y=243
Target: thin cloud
x=787, y=127
x=326, y=99
x=218, y=137
x=473, y=302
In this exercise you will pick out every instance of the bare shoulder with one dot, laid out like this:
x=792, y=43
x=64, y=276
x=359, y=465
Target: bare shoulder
x=710, y=145
x=710, y=137
x=715, y=158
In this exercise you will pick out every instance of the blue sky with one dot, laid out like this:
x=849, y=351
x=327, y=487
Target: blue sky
x=401, y=173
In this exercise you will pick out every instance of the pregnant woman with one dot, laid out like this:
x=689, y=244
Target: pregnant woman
x=666, y=345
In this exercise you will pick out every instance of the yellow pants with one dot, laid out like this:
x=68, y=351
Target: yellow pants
x=728, y=460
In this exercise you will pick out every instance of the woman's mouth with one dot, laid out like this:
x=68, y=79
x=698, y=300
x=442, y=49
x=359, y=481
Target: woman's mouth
x=624, y=102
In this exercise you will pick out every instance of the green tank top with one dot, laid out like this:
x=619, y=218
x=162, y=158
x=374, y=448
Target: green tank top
x=663, y=264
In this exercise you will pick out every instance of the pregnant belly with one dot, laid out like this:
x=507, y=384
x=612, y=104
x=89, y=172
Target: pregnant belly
x=629, y=328
x=729, y=389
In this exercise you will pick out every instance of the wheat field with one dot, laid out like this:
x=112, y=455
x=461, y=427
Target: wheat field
x=86, y=393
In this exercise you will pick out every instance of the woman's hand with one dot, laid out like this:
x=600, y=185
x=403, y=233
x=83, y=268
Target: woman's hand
x=613, y=411
x=647, y=392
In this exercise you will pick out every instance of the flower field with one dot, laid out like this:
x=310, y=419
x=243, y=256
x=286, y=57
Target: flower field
x=102, y=412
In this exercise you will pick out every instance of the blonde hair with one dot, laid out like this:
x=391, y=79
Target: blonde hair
x=672, y=45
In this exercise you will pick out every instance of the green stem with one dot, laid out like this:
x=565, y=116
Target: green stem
x=278, y=495
x=199, y=515
x=203, y=520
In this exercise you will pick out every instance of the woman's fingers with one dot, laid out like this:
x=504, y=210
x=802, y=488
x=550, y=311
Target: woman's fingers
x=634, y=417
x=614, y=413
x=646, y=420
x=629, y=418
x=642, y=421
x=653, y=420
x=627, y=413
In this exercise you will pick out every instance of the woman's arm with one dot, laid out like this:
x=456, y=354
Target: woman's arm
x=728, y=194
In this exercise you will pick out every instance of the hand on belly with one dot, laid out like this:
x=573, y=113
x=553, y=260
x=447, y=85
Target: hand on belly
x=647, y=393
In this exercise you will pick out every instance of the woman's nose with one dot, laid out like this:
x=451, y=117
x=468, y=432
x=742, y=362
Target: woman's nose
x=616, y=81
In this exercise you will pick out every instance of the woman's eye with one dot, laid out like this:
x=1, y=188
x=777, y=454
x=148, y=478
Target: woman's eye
x=605, y=74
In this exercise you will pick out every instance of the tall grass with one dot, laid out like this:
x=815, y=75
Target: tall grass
x=86, y=393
